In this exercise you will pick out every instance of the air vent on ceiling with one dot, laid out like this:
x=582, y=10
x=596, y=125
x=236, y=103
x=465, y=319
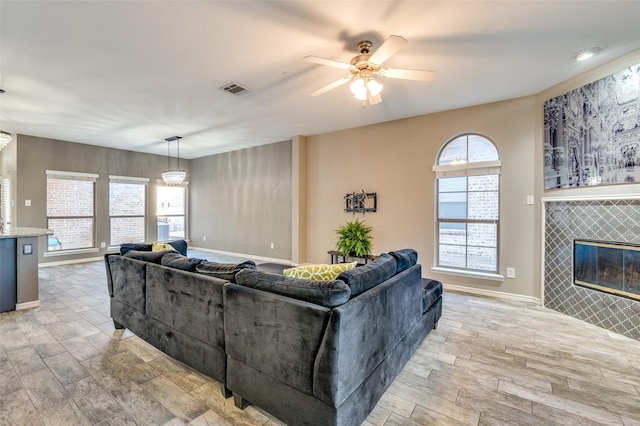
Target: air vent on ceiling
x=235, y=88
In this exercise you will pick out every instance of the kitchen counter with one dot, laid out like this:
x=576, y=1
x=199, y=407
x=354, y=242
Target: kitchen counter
x=25, y=232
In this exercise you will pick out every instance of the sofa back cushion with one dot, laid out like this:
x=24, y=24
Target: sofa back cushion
x=147, y=256
x=405, y=259
x=134, y=246
x=179, y=245
x=178, y=261
x=224, y=271
x=364, y=277
x=323, y=293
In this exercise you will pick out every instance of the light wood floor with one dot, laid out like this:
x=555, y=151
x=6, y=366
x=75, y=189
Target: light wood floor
x=490, y=362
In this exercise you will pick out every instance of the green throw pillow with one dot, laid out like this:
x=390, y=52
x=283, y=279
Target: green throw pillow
x=319, y=272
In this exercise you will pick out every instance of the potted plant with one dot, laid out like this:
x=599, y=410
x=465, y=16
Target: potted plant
x=354, y=239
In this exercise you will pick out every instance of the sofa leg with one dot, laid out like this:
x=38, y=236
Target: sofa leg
x=240, y=402
x=435, y=325
x=117, y=325
x=226, y=392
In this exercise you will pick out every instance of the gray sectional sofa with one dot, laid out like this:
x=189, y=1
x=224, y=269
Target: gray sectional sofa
x=309, y=352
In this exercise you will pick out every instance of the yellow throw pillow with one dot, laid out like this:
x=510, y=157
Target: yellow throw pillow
x=319, y=272
x=160, y=246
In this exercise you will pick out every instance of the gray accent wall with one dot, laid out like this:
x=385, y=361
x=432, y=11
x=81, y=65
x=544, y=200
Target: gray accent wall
x=35, y=155
x=241, y=201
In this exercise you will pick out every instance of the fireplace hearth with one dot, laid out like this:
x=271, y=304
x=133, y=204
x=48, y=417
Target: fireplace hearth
x=611, y=267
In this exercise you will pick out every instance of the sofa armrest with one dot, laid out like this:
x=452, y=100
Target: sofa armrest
x=363, y=332
x=108, y=270
x=128, y=281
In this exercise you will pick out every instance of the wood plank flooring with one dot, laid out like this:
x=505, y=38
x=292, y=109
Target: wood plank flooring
x=490, y=362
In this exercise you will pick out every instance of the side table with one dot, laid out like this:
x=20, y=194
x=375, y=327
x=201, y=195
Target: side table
x=336, y=255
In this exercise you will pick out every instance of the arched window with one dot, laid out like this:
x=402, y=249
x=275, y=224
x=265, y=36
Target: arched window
x=467, y=205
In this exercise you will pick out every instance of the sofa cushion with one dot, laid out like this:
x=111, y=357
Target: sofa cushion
x=405, y=259
x=176, y=260
x=147, y=256
x=363, y=278
x=134, y=246
x=324, y=293
x=225, y=271
x=319, y=272
x=179, y=245
x=431, y=291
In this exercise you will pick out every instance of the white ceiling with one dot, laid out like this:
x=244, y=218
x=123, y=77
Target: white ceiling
x=128, y=74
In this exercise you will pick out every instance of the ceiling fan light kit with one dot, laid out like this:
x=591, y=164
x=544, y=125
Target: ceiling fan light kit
x=364, y=67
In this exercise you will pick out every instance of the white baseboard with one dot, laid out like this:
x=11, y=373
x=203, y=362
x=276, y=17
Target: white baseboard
x=27, y=305
x=247, y=256
x=491, y=293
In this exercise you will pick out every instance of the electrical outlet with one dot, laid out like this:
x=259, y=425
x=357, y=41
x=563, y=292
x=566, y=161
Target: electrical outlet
x=529, y=199
x=204, y=238
x=273, y=246
x=103, y=244
x=27, y=203
x=511, y=272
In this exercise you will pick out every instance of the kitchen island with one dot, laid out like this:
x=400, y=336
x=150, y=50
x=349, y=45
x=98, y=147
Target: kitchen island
x=19, y=268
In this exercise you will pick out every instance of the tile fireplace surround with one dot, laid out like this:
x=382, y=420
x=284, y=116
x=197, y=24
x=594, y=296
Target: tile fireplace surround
x=605, y=219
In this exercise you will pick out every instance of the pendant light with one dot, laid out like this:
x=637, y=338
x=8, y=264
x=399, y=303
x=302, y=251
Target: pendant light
x=173, y=176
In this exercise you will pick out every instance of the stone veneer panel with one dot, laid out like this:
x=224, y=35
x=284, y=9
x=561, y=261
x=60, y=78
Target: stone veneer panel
x=606, y=220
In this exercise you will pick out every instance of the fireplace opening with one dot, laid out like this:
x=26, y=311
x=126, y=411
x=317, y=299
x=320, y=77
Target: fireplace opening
x=607, y=266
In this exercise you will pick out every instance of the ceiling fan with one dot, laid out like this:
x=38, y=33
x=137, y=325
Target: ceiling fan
x=365, y=67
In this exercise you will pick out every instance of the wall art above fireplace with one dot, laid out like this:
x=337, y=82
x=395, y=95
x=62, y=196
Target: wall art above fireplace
x=592, y=134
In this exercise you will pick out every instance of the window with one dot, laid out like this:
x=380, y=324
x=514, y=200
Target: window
x=127, y=209
x=172, y=201
x=467, y=207
x=70, y=210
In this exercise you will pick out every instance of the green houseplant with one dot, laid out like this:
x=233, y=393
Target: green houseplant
x=354, y=239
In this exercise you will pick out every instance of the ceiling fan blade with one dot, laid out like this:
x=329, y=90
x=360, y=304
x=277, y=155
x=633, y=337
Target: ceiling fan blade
x=388, y=48
x=373, y=100
x=329, y=62
x=420, y=75
x=331, y=86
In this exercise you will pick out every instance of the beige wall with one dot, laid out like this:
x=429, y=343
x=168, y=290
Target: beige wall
x=395, y=160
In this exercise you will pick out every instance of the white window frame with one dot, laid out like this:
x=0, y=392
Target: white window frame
x=92, y=177
x=135, y=181
x=479, y=168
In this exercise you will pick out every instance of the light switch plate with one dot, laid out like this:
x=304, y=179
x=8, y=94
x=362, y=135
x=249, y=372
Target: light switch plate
x=529, y=199
x=27, y=203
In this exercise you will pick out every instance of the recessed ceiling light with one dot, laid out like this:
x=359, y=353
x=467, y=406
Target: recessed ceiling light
x=585, y=54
